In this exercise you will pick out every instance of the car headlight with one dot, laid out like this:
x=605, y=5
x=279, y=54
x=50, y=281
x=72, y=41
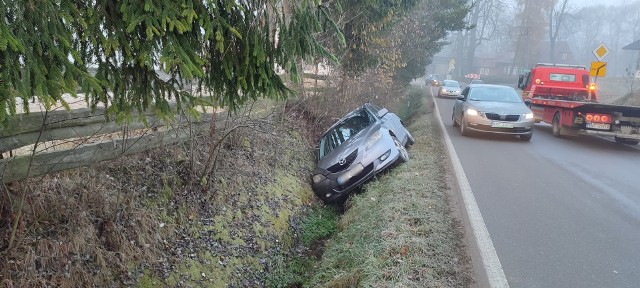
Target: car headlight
x=317, y=178
x=374, y=139
x=528, y=116
x=472, y=112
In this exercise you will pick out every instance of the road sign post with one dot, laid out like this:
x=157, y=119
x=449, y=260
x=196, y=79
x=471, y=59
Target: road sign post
x=598, y=69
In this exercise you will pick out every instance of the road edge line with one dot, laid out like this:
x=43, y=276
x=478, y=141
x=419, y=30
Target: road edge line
x=490, y=262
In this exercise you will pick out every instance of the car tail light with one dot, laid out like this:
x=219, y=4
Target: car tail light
x=598, y=118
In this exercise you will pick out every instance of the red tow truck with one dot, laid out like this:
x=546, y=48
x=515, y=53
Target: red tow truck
x=564, y=96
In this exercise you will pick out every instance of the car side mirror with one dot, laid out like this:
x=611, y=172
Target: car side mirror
x=382, y=112
x=461, y=98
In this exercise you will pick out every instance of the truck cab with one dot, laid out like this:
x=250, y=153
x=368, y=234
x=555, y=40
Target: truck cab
x=558, y=81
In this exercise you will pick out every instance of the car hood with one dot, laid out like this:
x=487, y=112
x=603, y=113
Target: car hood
x=356, y=142
x=500, y=107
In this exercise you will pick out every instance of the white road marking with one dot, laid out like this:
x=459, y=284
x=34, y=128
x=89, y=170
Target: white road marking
x=488, y=255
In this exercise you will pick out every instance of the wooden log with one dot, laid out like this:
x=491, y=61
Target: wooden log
x=88, y=130
x=32, y=122
x=314, y=89
x=315, y=76
x=15, y=168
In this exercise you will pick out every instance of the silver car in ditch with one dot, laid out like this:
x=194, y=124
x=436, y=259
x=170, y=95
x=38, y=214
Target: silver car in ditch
x=492, y=109
x=365, y=142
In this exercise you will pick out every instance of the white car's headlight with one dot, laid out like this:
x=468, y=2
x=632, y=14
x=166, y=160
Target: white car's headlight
x=317, y=178
x=528, y=116
x=472, y=112
x=374, y=139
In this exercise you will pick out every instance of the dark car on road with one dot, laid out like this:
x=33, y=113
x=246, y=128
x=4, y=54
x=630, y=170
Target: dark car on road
x=492, y=109
x=365, y=142
x=434, y=80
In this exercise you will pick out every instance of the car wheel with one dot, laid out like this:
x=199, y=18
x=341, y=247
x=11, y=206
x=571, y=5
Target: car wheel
x=404, y=154
x=526, y=137
x=464, y=127
x=410, y=139
x=453, y=119
x=626, y=141
x=556, y=125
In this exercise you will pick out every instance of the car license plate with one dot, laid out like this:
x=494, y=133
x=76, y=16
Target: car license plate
x=600, y=126
x=501, y=125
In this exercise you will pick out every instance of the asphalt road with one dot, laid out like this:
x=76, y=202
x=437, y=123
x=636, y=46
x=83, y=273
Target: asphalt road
x=560, y=212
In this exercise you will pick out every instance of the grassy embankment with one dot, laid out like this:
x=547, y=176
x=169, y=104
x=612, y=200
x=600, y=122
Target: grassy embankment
x=143, y=221
x=399, y=232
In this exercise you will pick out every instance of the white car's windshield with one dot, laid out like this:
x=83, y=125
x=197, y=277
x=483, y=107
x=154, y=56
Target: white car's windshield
x=451, y=83
x=494, y=94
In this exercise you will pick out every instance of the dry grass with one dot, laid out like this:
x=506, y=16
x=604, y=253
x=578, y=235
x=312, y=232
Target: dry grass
x=71, y=234
x=147, y=218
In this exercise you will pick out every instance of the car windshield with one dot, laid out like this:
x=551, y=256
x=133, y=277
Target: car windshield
x=343, y=131
x=451, y=83
x=494, y=94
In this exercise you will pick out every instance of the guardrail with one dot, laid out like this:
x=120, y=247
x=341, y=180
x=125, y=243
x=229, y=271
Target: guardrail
x=91, y=138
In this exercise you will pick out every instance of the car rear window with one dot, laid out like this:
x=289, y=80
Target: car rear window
x=562, y=77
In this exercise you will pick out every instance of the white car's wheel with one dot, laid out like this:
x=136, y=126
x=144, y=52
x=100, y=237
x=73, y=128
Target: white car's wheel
x=404, y=154
x=410, y=140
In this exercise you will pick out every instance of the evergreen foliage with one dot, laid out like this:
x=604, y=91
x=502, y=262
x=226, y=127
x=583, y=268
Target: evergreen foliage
x=231, y=48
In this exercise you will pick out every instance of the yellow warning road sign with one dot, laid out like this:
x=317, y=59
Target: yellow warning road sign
x=598, y=69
